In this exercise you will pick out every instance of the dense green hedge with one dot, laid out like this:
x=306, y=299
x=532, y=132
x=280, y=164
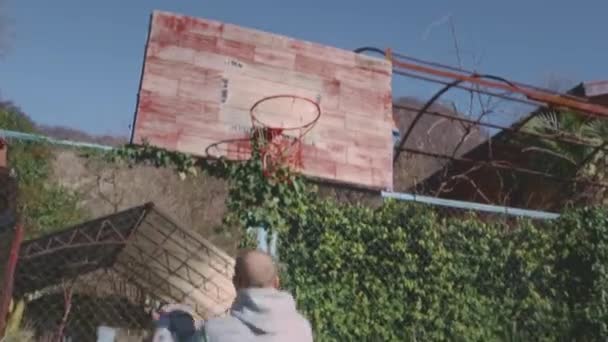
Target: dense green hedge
x=402, y=273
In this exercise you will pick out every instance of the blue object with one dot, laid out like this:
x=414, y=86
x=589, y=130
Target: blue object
x=40, y=138
x=396, y=136
x=471, y=206
x=262, y=241
x=181, y=326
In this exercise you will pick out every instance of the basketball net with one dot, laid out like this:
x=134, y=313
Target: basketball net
x=280, y=122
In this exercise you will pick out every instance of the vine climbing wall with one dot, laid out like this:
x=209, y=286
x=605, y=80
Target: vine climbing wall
x=201, y=77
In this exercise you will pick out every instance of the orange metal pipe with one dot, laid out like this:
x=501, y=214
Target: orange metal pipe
x=8, y=277
x=533, y=94
x=3, y=153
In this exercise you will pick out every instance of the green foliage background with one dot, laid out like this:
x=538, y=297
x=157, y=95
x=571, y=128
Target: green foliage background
x=399, y=272
x=45, y=205
x=402, y=273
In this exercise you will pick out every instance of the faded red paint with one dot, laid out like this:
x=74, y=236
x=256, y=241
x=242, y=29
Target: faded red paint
x=331, y=151
x=239, y=50
x=158, y=66
x=353, y=173
x=201, y=77
x=274, y=57
x=315, y=66
x=167, y=105
x=309, y=151
x=175, y=23
x=331, y=87
x=317, y=167
x=238, y=150
x=198, y=42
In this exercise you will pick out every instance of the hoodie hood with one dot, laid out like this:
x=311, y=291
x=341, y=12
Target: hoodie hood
x=266, y=311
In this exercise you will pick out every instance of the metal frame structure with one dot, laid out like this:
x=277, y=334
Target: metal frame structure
x=452, y=77
x=139, y=251
x=477, y=207
x=11, y=234
x=448, y=77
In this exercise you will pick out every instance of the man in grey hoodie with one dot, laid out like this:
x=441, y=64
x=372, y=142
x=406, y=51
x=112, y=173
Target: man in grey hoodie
x=260, y=312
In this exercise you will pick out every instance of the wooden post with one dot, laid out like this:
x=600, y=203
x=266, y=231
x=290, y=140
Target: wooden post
x=17, y=234
x=3, y=153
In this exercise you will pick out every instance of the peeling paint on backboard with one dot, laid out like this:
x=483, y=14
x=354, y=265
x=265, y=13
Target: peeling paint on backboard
x=199, y=84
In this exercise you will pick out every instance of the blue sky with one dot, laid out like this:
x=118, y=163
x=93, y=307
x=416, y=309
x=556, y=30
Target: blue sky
x=77, y=63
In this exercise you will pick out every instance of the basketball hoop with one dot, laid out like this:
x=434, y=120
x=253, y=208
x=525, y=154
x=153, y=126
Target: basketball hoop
x=279, y=124
x=231, y=149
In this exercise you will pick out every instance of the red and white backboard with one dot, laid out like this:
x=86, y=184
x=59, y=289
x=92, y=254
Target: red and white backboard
x=201, y=78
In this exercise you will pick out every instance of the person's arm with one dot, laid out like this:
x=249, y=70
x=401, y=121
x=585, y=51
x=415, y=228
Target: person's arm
x=175, y=316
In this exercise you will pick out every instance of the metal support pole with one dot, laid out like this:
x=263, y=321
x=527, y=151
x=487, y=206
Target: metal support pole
x=3, y=153
x=13, y=257
x=262, y=241
x=9, y=277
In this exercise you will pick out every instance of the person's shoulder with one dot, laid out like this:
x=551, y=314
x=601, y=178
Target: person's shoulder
x=304, y=328
x=224, y=329
x=220, y=323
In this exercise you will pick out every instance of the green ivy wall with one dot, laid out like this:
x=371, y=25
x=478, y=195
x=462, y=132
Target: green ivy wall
x=390, y=271
x=399, y=272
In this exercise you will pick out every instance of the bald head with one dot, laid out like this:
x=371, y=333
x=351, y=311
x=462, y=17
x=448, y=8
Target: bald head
x=255, y=269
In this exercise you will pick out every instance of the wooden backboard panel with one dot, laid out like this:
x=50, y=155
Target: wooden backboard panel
x=201, y=78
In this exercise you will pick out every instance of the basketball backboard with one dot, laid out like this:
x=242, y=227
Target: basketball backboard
x=201, y=78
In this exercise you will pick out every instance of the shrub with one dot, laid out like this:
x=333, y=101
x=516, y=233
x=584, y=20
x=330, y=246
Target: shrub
x=45, y=205
x=402, y=273
x=581, y=238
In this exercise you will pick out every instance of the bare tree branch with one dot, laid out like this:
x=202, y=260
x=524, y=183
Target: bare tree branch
x=549, y=152
x=455, y=40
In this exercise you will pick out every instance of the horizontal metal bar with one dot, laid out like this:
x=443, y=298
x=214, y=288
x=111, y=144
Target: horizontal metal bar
x=471, y=206
x=479, y=90
x=531, y=93
x=500, y=165
x=461, y=70
x=561, y=137
x=40, y=138
x=394, y=54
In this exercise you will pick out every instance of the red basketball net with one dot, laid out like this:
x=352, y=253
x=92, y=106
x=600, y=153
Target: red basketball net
x=279, y=124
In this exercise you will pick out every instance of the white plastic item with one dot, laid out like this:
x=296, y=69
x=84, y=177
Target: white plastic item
x=162, y=335
x=106, y=334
